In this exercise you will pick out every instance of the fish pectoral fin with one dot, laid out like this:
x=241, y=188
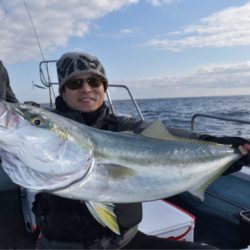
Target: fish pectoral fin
x=199, y=191
x=118, y=172
x=157, y=130
x=104, y=214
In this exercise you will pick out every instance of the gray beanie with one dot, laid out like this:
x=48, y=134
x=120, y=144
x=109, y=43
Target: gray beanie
x=76, y=63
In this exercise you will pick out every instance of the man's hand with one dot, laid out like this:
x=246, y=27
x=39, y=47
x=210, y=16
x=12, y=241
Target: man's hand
x=244, y=149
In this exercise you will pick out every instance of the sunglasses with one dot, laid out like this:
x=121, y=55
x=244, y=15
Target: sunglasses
x=93, y=82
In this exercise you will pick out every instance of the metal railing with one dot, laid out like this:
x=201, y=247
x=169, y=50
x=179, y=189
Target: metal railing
x=222, y=118
x=130, y=95
x=46, y=82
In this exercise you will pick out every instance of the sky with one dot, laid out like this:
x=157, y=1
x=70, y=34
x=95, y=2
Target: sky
x=158, y=48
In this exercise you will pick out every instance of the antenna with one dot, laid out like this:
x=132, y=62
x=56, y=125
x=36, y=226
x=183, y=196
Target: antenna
x=41, y=51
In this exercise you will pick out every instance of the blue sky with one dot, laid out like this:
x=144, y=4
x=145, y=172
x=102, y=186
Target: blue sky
x=159, y=48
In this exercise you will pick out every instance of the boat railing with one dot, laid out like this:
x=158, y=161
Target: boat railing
x=130, y=95
x=222, y=118
x=47, y=82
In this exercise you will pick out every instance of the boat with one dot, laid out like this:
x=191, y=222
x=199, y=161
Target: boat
x=222, y=219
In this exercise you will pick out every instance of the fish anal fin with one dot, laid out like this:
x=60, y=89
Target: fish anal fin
x=200, y=190
x=104, y=214
x=157, y=130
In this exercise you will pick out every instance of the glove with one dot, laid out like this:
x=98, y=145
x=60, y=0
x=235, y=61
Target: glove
x=235, y=142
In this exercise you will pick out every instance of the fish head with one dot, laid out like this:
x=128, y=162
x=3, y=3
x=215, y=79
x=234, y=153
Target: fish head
x=40, y=149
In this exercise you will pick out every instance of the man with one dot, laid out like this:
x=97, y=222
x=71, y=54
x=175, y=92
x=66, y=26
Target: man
x=6, y=92
x=66, y=223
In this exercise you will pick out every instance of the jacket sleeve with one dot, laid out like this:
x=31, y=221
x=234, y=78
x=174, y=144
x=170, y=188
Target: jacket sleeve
x=127, y=123
x=6, y=92
x=2, y=82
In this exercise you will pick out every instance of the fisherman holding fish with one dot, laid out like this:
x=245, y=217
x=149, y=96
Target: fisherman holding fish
x=91, y=179
x=6, y=92
x=70, y=223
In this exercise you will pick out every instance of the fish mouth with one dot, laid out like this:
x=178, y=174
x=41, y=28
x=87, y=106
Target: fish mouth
x=7, y=118
x=4, y=117
x=3, y=108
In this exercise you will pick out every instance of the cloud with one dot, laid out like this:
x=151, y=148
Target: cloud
x=126, y=32
x=158, y=3
x=225, y=76
x=55, y=21
x=229, y=27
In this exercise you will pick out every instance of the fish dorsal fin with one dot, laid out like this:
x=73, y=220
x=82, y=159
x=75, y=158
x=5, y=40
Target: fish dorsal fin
x=104, y=214
x=157, y=130
x=199, y=191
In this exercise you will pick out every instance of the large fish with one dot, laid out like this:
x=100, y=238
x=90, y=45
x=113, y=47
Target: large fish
x=43, y=151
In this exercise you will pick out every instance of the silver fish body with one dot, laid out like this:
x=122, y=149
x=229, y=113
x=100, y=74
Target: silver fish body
x=94, y=165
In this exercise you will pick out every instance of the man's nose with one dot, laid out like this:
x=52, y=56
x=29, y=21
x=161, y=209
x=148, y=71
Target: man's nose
x=85, y=87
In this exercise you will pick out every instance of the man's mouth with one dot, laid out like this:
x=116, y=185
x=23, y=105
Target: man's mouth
x=86, y=98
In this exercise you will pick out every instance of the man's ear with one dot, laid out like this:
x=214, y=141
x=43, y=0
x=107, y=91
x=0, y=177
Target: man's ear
x=62, y=95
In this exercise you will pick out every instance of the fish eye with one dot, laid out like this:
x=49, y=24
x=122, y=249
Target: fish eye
x=38, y=121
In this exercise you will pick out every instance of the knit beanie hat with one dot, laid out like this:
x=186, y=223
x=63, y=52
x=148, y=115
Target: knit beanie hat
x=72, y=64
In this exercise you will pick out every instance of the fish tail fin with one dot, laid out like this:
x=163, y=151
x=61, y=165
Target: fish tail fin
x=104, y=214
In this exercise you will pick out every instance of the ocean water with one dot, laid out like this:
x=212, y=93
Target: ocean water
x=177, y=112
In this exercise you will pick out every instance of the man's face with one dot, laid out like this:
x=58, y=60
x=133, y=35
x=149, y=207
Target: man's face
x=86, y=98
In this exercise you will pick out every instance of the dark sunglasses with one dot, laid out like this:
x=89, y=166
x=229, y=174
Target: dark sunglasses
x=93, y=82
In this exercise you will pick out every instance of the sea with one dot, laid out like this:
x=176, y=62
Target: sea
x=178, y=113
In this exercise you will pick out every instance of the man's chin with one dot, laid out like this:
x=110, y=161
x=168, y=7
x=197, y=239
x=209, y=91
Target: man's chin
x=87, y=108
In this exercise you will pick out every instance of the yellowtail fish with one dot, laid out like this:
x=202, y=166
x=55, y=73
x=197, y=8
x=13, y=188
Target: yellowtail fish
x=43, y=151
